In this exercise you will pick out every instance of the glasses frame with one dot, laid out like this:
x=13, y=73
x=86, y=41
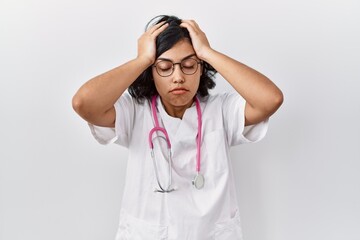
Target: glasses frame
x=177, y=63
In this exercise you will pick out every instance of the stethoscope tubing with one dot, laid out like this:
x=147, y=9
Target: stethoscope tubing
x=163, y=130
x=198, y=137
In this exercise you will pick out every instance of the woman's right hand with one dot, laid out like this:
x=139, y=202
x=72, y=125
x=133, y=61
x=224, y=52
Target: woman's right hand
x=147, y=42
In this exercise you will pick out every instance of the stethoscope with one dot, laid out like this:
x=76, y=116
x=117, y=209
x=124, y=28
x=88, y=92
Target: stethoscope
x=198, y=181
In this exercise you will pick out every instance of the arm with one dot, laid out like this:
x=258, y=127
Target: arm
x=95, y=100
x=262, y=96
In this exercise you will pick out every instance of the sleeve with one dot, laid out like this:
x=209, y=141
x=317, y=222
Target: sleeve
x=234, y=121
x=124, y=120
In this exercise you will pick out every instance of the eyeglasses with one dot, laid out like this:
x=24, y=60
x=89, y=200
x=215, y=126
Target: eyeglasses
x=188, y=66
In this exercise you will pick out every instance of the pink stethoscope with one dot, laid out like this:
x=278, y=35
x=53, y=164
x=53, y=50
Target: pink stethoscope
x=198, y=181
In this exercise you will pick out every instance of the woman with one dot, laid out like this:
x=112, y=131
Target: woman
x=179, y=182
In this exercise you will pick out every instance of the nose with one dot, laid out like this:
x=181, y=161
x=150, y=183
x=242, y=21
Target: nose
x=178, y=75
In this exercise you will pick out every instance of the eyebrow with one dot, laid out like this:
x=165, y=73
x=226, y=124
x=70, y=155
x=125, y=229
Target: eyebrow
x=168, y=59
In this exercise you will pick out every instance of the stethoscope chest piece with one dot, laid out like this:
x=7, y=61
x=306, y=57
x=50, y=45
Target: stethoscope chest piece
x=198, y=181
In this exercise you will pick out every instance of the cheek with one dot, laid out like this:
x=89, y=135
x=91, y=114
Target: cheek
x=160, y=84
x=196, y=81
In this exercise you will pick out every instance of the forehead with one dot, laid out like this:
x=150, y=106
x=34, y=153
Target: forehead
x=179, y=51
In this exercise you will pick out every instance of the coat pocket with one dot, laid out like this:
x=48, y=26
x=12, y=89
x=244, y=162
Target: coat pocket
x=131, y=228
x=215, y=152
x=229, y=229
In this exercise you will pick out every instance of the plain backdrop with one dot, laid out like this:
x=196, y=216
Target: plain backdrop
x=301, y=182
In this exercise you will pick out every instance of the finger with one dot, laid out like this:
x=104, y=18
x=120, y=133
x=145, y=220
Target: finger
x=192, y=27
x=189, y=27
x=157, y=31
x=156, y=27
x=186, y=24
x=192, y=23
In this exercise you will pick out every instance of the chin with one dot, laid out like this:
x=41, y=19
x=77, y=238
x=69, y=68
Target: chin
x=181, y=100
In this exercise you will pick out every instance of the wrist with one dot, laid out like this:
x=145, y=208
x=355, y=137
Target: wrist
x=206, y=54
x=144, y=61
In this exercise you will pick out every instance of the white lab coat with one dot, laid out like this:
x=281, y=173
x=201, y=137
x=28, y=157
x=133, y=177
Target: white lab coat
x=186, y=213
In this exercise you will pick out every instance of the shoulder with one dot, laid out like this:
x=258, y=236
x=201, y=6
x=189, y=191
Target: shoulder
x=128, y=101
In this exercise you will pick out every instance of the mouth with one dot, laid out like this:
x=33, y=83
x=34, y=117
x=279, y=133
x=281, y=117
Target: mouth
x=178, y=91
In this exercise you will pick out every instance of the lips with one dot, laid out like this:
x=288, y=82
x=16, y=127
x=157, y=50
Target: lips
x=178, y=91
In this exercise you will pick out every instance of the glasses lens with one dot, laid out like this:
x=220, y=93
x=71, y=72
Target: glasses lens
x=164, y=68
x=189, y=66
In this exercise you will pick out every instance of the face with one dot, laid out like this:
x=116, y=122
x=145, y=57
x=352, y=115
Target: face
x=178, y=89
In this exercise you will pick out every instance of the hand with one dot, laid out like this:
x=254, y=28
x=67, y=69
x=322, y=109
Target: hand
x=198, y=38
x=147, y=42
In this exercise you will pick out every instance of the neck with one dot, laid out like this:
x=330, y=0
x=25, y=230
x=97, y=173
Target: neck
x=176, y=111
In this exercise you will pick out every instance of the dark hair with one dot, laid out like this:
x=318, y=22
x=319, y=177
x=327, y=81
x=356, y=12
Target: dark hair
x=144, y=87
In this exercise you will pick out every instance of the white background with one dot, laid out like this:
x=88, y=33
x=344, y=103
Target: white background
x=301, y=182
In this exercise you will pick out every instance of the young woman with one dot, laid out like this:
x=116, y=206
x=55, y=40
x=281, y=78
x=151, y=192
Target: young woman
x=179, y=181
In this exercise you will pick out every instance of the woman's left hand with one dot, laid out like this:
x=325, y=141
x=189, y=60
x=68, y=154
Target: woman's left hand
x=199, y=40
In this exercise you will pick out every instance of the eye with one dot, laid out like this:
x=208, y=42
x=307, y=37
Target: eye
x=164, y=65
x=189, y=63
